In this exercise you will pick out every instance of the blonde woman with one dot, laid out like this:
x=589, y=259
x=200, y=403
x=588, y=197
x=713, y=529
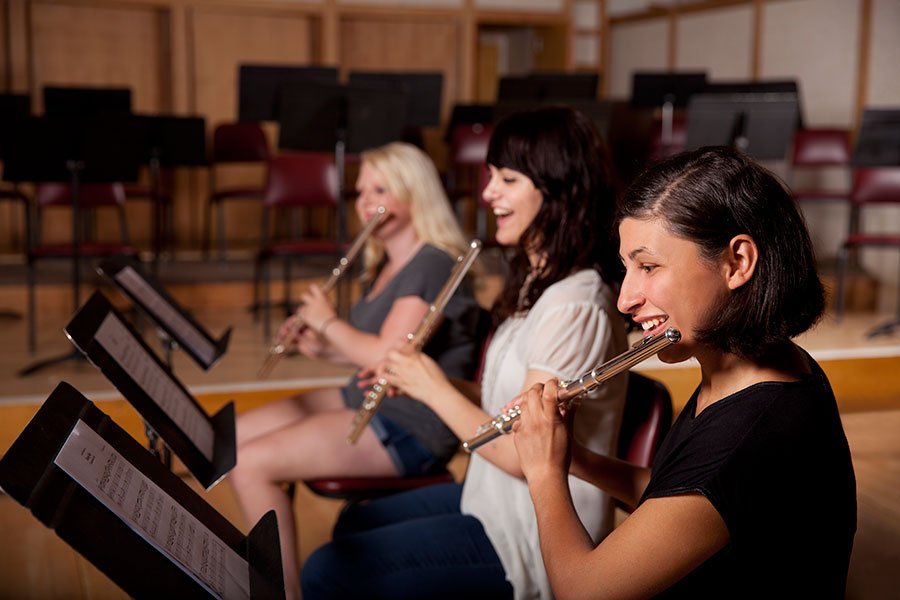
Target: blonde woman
x=407, y=261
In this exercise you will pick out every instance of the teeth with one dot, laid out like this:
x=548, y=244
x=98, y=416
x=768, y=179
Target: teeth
x=648, y=325
x=501, y=212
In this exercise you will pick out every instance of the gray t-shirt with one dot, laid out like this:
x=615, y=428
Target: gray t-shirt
x=454, y=344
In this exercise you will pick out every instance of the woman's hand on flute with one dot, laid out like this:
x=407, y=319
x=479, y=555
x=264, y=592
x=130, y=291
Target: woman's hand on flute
x=316, y=309
x=415, y=373
x=542, y=434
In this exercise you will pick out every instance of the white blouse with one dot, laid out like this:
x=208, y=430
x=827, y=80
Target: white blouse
x=572, y=327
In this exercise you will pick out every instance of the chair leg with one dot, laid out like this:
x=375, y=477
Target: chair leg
x=842, y=264
x=267, y=327
x=32, y=314
x=221, y=230
x=288, y=308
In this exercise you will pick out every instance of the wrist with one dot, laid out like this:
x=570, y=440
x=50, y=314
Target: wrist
x=326, y=323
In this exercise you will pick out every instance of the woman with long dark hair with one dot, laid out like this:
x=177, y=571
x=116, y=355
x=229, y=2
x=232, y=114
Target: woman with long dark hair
x=549, y=190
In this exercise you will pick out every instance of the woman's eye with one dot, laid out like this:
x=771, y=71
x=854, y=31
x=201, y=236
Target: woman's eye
x=647, y=268
x=509, y=180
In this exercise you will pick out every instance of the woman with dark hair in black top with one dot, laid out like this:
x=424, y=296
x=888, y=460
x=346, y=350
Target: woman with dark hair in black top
x=752, y=494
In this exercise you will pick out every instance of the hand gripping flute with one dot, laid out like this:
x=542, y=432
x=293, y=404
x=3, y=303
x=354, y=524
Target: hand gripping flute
x=417, y=339
x=569, y=391
x=278, y=349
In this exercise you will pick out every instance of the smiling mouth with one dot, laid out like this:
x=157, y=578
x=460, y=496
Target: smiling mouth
x=653, y=324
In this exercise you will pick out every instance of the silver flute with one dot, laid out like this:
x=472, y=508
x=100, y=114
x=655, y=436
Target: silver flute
x=571, y=390
x=417, y=339
x=297, y=323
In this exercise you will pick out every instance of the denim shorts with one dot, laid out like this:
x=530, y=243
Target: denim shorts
x=409, y=455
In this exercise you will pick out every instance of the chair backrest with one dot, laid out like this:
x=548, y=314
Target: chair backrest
x=90, y=195
x=469, y=143
x=646, y=420
x=301, y=179
x=244, y=141
x=876, y=185
x=820, y=148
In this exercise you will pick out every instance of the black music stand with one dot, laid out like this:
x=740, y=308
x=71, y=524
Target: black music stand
x=260, y=87
x=178, y=327
x=206, y=445
x=83, y=476
x=666, y=91
x=14, y=108
x=87, y=149
x=760, y=124
x=169, y=142
x=424, y=92
x=878, y=145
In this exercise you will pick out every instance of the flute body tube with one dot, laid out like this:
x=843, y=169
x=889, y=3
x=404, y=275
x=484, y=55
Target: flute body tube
x=417, y=339
x=571, y=390
x=297, y=323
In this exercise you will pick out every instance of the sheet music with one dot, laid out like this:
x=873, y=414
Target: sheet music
x=132, y=281
x=153, y=514
x=156, y=382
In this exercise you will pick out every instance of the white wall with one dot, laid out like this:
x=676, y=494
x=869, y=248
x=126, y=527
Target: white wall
x=719, y=42
x=639, y=46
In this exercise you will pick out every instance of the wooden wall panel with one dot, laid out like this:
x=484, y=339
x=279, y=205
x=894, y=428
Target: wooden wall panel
x=406, y=44
x=99, y=45
x=4, y=48
x=222, y=39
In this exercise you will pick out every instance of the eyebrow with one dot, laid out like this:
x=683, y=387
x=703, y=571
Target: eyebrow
x=637, y=251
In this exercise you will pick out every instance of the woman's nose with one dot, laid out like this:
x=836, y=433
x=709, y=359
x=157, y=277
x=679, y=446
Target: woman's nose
x=630, y=298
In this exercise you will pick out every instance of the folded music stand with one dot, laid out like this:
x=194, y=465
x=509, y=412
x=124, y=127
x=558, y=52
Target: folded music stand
x=206, y=445
x=260, y=87
x=101, y=148
x=424, y=93
x=84, y=477
x=169, y=141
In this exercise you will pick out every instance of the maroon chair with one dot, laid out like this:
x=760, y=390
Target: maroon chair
x=645, y=422
x=92, y=198
x=468, y=151
x=815, y=152
x=872, y=186
x=233, y=143
x=302, y=182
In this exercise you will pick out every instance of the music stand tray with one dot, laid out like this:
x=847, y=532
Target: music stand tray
x=84, y=477
x=147, y=293
x=206, y=445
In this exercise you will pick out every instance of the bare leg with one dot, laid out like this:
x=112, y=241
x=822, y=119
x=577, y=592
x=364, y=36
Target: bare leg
x=310, y=446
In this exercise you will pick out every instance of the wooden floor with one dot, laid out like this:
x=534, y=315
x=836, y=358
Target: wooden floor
x=34, y=563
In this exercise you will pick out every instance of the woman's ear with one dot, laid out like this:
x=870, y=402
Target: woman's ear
x=740, y=260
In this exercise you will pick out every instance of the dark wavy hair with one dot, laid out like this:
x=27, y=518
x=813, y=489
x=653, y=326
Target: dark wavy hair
x=710, y=195
x=563, y=155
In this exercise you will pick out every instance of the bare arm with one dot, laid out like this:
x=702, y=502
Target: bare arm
x=328, y=337
x=664, y=540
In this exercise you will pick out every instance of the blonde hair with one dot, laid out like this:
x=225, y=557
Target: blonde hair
x=411, y=177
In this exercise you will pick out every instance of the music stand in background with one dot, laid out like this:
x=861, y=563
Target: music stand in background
x=878, y=145
x=169, y=142
x=424, y=93
x=14, y=108
x=760, y=124
x=666, y=91
x=83, y=476
x=75, y=102
x=206, y=445
x=89, y=149
x=260, y=87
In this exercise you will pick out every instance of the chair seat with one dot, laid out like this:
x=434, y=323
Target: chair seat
x=237, y=192
x=64, y=250
x=360, y=488
x=873, y=239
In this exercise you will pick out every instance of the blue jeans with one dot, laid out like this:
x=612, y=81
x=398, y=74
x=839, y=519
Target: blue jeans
x=408, y=454
x=408, y=546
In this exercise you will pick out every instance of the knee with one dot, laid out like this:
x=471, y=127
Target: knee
x=252, y=462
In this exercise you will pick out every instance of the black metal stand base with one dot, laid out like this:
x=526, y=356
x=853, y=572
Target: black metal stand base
x=75, y=355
